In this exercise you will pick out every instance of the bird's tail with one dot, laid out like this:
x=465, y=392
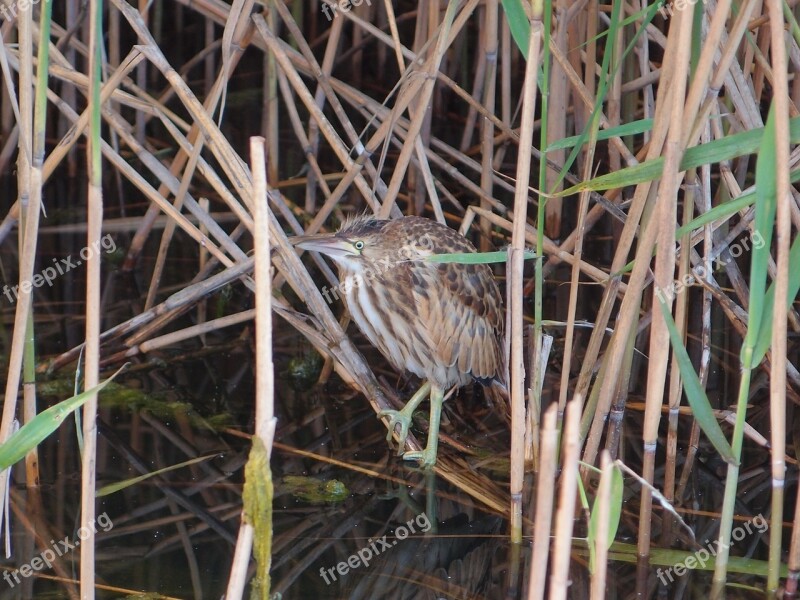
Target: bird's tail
x=497, y=394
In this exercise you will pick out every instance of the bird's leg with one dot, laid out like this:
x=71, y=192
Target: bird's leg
x=427, y=457
x=403, y=417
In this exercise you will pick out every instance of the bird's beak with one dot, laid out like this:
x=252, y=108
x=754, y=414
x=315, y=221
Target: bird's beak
x=325, y=243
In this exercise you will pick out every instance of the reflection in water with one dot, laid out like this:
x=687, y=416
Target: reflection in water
x=390, y=546
x=455, y=563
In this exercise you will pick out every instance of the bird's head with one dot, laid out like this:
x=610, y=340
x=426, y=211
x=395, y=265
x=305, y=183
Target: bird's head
x=363, y=242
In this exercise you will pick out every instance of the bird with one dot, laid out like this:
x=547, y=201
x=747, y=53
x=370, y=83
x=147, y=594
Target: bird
x=442, y=321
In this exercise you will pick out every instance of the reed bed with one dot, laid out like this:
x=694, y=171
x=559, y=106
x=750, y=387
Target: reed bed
x=645, y=154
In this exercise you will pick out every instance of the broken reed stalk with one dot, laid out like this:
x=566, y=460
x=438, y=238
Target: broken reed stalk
x=565, y=513
x=545, y=500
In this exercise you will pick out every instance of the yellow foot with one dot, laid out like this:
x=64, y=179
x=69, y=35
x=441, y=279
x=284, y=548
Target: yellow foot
x=403, y=417
x=397, y=417
x=426, y=458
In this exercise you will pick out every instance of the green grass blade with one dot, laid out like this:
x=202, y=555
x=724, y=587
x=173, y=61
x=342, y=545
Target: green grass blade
x=766, y=206
x=627, y=553
x=765, y=330
x=614, y=515
x=592, y=126
x=718, y=212
x=518, y=24
x=475, y=258
x=730, y=147
x=634, y=128
x=701, y=407
x=46, y=422
x=112, y=488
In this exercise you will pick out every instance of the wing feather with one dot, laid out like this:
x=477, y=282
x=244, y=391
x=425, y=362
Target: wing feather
x=463, y=317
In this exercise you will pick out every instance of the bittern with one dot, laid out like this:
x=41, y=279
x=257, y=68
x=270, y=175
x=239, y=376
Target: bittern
x=443, y=321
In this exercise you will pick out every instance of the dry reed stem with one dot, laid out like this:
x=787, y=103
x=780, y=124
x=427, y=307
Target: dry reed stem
x=93, y=307
x=556, y=126
x=545, y=500
x=515, y=275
x=539, y=359
x=265, y=378
x=629, y=308
x=450, y=27
x=490, y=41
x=30, y=197
x=602, y=505
x=565, y=513
x=783, y=233
x=325, y=126
x=583, y=206
x=665, y=215
x=675, y=384
x=588, y=269
x=39, y=532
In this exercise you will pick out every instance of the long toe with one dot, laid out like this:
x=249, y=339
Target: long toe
x=397, y=417
x=425, y=458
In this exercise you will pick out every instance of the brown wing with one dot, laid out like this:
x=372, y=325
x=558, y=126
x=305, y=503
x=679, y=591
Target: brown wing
x=458, y=307
x=462, y=311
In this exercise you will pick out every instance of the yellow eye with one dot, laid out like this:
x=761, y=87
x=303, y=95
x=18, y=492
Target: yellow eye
x=359, y=245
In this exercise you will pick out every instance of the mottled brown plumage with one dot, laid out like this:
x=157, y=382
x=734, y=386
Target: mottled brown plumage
x=441, y=321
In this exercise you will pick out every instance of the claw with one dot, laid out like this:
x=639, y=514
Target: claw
x=403, y=417
x=397, y=417
x=427, y=457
